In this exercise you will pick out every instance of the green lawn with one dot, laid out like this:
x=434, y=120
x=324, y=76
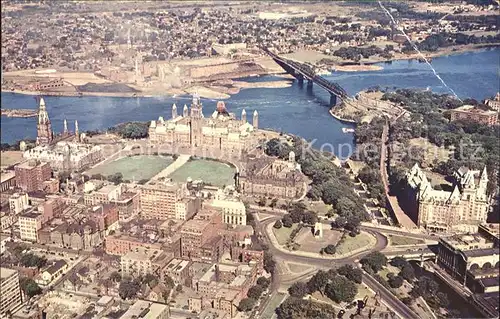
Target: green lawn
x=211, y=172
x=283, y=234
x=363, y=291
x=134, y=167
x=399, y=240
x=352, y=243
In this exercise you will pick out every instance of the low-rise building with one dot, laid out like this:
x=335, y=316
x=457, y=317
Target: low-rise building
x=144, y=261
x=233, y=209
x=122, y=244
x=7, y=180
x=53, y=272
x=178, y=270
x=65, y=156
x=474, y=114
x=10, y=292
x=472, y=260
x=147, y=309
x=4, y=239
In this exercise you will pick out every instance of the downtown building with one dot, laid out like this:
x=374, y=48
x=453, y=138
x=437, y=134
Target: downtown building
x=10, y=292
x=32, y=174
x=462, y=209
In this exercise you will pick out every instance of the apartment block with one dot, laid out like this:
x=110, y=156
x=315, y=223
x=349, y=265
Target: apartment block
x=30, y=175
x=10, y=292
x=18, y=202
x=158, y=200
x=29, y=225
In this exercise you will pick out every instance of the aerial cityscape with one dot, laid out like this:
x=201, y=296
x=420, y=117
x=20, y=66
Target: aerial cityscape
x=250, y=159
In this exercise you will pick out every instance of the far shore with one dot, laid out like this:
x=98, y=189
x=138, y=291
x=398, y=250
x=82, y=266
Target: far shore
x=207, y=92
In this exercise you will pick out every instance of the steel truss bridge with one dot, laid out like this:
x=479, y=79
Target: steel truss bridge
x=303, y=71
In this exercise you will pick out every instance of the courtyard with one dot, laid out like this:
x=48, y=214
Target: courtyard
x=134, y=168
x=211, y=172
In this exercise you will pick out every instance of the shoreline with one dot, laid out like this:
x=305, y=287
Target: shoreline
x=346, y=67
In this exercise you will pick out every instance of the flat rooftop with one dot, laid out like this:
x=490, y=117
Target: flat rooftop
x=6, y=175
x=6, y=272
x=145, y=309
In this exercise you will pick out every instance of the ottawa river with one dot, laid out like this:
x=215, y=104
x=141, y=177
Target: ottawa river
x=294, y=109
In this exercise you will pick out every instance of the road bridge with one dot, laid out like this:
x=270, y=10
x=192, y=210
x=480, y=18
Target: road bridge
x=303, y=71
x=420, y=255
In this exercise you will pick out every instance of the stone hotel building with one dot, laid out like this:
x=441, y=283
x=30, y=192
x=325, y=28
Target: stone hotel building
x=462, y=209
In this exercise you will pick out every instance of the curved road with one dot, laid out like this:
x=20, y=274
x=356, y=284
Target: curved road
x=392, y=301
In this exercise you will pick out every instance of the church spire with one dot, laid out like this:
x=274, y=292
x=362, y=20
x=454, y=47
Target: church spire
x=76, y=129
x=44, y=127
x=255, y=122
x=65, y=131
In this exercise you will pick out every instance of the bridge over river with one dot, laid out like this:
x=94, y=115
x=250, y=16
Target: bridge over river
x=303, y=71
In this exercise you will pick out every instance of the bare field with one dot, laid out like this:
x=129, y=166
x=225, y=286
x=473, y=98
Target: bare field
x=9, y=158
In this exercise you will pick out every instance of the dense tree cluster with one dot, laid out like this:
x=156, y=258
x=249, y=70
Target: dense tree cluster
x=131, y=129
x=299, y=308
x=29, y=287
x=441, y=40
x=371, y=177
x=357, y=53
x=129, y=288
x=253, y=294
x=339, y=286
x=373, y=262
x=428, y=288
x=298, y=213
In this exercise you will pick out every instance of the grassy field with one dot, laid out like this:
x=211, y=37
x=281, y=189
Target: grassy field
x=352, y=243
x=399, y=240
x=135, y=167
x=212, y=172
x=363, y=291
x=283, y=233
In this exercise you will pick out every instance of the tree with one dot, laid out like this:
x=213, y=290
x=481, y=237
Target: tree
x=399, y=262
x=298, y=289
x=255, y=292
x=263, y=282
x=29, y=287
x=115, y=276
x=269, y=262
x=150, y=280
x=340, y=222
x=273, y=203
x=298, y=308
x=352, y=273
x=341, y=289
x=396, y=281
x=246, y=304
x=407, y=272
x=330, y=249
x=287, y=221
x=375, y=260
x=169, y=283
x=262, y=201
x=318, y=282
x=128, y=289
x=278, y=224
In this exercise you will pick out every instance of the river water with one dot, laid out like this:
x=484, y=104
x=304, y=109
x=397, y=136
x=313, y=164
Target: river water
x=294, y=109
